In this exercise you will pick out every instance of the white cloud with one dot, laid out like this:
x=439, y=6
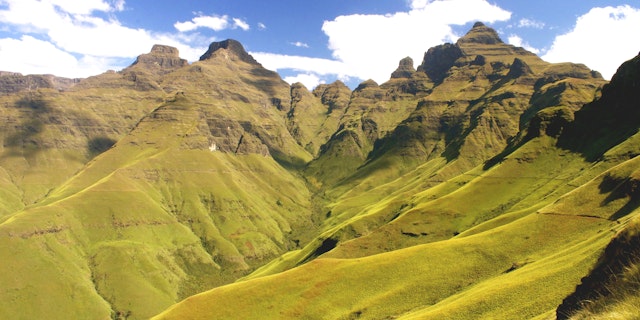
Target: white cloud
x=601, y=39
x=528, y=23
x=69, y=39
x=318, y=66
x=300, y=44
x=29, y=55
x=418, y=4
x=215, y=23
x=518, y=42
x=372, y=45
x=94, y=36
x=309, y=80
x=238, y=23
x=86, y=6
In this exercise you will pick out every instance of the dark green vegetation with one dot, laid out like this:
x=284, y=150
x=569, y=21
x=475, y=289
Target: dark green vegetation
x=486, y=183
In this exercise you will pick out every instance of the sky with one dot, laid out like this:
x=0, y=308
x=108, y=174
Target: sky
x=311, y=42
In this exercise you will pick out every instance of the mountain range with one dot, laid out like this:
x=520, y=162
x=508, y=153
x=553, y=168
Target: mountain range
x=485, y=183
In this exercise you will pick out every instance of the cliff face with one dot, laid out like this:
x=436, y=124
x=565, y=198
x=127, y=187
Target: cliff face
x=465, y=101
x=598, y=126
x=11, y=82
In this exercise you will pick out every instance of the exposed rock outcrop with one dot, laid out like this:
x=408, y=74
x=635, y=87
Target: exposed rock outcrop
x=612, y=118
x=480, y=34
x=518, y=69
x=623, y=252
x=335, y=95
x=232, y=48
x=405, y=69
x=162, y=59
x=12, y=82
x=438, y=60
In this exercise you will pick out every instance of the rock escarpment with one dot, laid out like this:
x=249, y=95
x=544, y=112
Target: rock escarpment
x=11, y=82
x=161, y=60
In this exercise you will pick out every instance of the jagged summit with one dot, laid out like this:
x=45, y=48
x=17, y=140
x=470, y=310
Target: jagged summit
x=405, y=69
x=230, y=46
x=480, y=34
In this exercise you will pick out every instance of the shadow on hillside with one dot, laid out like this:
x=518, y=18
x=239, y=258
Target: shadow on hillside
x=327, y=245
x=265, y=80
x=599, y=125
x=620, y=188
x=99, y=145
x=33, y=116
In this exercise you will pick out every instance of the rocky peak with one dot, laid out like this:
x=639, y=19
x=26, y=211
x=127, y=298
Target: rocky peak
x=405, y=69
x=159, y=49
x=480, y=34
x=366, y=84
x=229, y=46
x=335, y=95
x=162, y=59
x=438, y=60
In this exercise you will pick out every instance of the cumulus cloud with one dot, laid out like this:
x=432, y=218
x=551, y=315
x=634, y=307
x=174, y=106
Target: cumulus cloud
x=518, y=42
x=71, y=38
x=215, y=23
x=600, y=39
x=27, y=53
x=372, y=45
x=318, y=66
x=309, y=80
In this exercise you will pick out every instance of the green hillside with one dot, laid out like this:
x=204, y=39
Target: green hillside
x=484, y=184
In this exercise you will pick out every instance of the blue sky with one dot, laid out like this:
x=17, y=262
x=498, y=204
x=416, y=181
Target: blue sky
x=308, y=41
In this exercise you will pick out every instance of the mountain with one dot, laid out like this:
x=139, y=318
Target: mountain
x=189, y=192
x=483, y=183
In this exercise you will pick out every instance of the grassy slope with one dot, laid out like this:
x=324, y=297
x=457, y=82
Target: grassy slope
x=51, y=135
x=393, y=283
x=156, y=218
x=408, y=211
x=518, y=263
x=616, y=297
x=364, y=201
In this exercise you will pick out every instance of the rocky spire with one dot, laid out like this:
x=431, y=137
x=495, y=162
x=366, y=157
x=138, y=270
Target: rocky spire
x=405, y=69
x=231, y=46
x=480, y=34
